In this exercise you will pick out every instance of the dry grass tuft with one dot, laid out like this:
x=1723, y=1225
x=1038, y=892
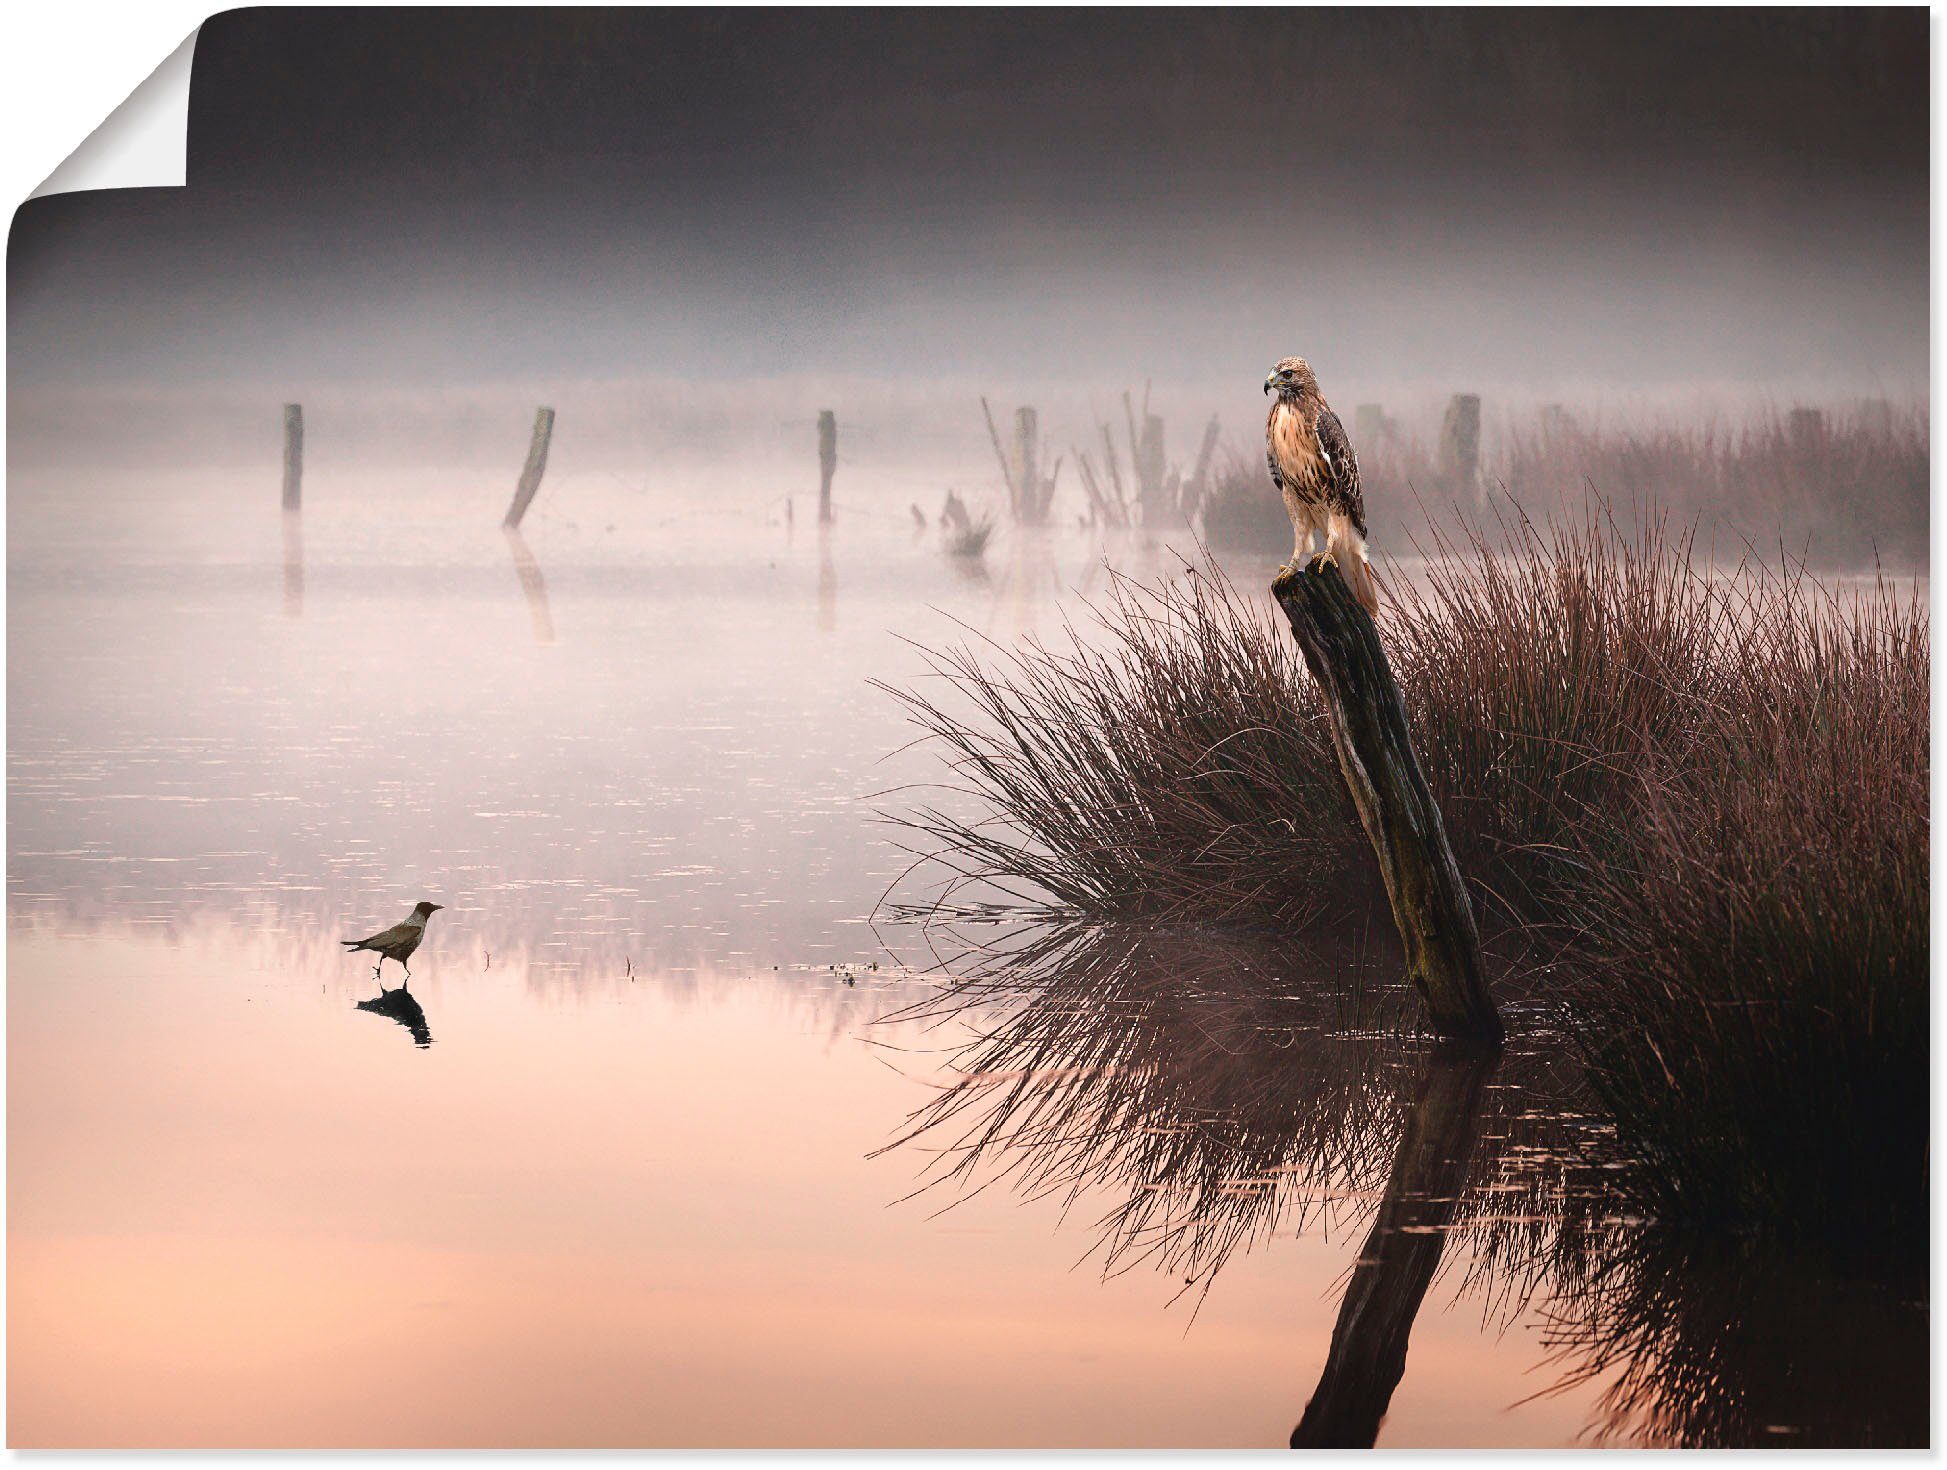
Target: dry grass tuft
x=1707, y=788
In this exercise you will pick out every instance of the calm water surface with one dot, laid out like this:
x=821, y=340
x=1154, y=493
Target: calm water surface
x=658, y=1149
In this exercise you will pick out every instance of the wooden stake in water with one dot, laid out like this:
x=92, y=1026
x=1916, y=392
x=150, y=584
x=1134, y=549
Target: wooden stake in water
x=1028, y=509
x=1375, y=750
x=827, y=462
x=293, y=456
x=537, y=462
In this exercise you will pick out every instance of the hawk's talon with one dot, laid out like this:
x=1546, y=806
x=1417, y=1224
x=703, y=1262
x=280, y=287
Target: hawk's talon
x=1324, y=559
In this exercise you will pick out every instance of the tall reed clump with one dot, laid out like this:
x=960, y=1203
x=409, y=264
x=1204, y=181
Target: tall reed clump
x=1851, y=482
x=1755, y=1001
x=1710, y=789
x=1163, y=764
x=1168, y=760
x=1540, y=679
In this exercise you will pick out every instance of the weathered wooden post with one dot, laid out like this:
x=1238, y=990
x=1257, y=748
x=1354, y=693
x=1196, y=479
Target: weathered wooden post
x=1400, y=1256
x=1375, y=750
x=293, y=456
x=1460, y=441
x=1027, y=466
x=537, y=461
x=953, y=514
x=1152, y=473
x=827, y=462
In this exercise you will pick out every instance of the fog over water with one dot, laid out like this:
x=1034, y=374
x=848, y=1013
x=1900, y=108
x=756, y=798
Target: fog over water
x=619, y=1174
x=1564, y=203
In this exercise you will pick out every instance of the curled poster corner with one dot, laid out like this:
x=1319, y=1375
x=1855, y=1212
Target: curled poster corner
x=143, y=144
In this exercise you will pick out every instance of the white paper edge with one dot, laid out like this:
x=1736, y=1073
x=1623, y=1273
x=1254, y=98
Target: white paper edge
x=143, y=144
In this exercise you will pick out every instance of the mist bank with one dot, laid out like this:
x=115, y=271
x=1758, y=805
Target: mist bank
x=1631, y=289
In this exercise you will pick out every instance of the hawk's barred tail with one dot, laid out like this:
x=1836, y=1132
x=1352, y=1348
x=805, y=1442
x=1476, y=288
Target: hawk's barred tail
x=1358, y=577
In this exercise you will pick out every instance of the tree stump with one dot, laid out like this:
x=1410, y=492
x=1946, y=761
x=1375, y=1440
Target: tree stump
x=1375, y=750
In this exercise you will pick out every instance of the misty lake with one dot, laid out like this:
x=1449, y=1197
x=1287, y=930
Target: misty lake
x=657, y=1152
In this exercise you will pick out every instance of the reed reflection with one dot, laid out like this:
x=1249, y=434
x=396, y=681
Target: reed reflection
x=400, y=1006
x=1225, y=1092
x=1226, y=1089
x=1730, y=1344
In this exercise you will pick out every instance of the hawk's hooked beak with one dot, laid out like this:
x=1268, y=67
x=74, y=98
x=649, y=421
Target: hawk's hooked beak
x=1270, y=382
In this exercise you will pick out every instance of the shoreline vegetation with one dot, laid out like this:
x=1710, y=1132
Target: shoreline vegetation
x=1690, y=800
x=1852, y=479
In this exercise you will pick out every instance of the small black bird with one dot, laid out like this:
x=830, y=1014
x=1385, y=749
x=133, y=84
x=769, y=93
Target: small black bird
x=398, y=942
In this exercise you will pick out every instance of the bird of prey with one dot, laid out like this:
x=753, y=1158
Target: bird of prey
x=398, y=942
x=1313, y=466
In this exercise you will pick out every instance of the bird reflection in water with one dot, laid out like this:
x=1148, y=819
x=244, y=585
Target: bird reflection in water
x=401, y=1007
x=1224, y=1092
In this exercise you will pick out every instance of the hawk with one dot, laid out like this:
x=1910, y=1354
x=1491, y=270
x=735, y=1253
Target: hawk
x=398, y=942
x=1313, y=466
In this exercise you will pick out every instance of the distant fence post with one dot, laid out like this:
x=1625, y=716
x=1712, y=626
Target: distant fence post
x=293, y=456
x=1375, y=749
x=827, y=462
x=537, y=462
x=1460, y=441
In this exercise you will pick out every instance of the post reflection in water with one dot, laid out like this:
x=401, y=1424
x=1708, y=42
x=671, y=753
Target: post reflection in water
x=1401, y=1254
x=293, y=564
x=1227, y=1093
x=400, y=1006
x=827, y=583
x=534, y=587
